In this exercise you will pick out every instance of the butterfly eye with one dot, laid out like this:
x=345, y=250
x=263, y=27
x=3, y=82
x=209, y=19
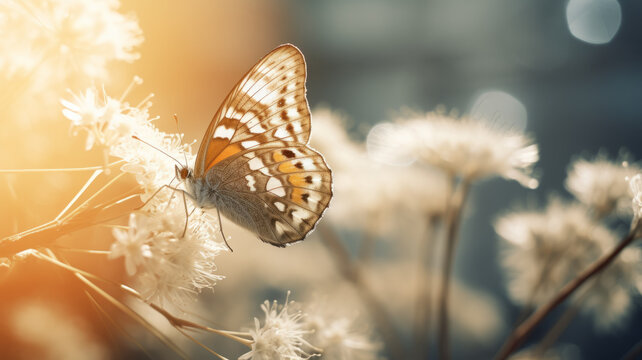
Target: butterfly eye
x=184, y=173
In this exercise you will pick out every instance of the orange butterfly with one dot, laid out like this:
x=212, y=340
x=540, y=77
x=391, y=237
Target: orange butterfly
x=254, y=164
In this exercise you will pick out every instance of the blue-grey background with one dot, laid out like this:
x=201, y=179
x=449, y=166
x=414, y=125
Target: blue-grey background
x=370, y=59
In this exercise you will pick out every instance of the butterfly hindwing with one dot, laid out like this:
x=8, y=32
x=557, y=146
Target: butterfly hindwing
x=290, y=182
x=268, y=104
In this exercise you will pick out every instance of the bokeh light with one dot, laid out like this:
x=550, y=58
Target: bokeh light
x=594, y=21
x=500, y=109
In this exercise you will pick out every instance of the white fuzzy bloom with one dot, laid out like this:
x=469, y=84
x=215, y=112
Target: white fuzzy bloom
x=45, y=39
x=544, y=250
x=339, y=336
x=601, y=184
x=465, y=147
x=111, y=123
x=282, y=335
x=169, y=266
x=635, y=186
x=373, y=197
x=611, y=294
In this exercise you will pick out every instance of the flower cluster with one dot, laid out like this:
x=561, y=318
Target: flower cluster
x=170, y=252
x=635, y=185
x=44, y=38
x=545, y=250
x=290, y=333
x=170, y=262
x=601, y=184
x=282, y=335
x=369, y=196
x=465, y=147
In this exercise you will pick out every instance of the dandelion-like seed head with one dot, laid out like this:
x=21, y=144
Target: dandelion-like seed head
x=340, y=336
x=544, y=250
x=48, y=37
x=169, y=266
x=464, y=147
x=373, y=197
x=282, y=335
x=601, y=184
x=111, y=124
x=635, y=186
x=610, y=295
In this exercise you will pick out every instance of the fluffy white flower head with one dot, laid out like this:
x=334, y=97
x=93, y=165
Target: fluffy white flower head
x=48, y=37
x=372, y=197
x=169, y=266
x=635, y=185
x=465, y=147
x=601, y=184
x=611, y=294
x=112, y=123
x=282, y=335
x=544, y=250
x=338, y=335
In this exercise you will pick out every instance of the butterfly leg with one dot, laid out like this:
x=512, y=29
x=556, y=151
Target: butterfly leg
x=220, y=226
x=156, y=193
x=186, y=214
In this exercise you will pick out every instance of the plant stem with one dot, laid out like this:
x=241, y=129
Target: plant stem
x=452, y=226
x=424, y=290
x=351, y=272
x=523, y=331
x=563, y=322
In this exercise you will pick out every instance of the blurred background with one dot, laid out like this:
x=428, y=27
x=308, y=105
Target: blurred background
x=569, y=72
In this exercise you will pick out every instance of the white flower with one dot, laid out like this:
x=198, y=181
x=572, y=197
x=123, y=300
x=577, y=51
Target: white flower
x=372, y=197
x=465, y=147
x=601, y=184
x=282, y=335
x=338, y=335
x=635, y=185
x=133, y=244
x=112, y=124
x=544, y=250
x=169, y=266
x=611, y=294
x=45, y=39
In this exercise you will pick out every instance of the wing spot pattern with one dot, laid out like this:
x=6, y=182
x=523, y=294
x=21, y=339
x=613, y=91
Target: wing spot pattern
x=250, y=182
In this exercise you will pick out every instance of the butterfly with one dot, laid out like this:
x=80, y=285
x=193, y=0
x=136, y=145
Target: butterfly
x=254, y=164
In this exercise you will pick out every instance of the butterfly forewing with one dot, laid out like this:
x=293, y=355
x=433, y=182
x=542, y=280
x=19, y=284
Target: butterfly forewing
x=255, y=151
x=268, y=103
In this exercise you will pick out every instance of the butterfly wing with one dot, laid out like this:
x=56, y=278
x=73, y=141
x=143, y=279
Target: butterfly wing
x=267, y=104
x=278, y=190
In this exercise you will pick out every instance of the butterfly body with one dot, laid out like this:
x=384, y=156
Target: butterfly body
x=254, y=164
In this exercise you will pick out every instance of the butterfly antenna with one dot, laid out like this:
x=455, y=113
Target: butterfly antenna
x=220, y=226
x=178, y=130
x=146, y=143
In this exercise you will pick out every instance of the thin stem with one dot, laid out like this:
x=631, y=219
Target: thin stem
x=207, y=348
x=452, y=228
x=182, y=323
x=352, y=274
x=424, y=290
x=175, y=321
x=79, y=193
x=523, y=331
x=563, y=322
x=76, y=169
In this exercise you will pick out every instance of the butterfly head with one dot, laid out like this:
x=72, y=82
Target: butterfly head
x=183, y=173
